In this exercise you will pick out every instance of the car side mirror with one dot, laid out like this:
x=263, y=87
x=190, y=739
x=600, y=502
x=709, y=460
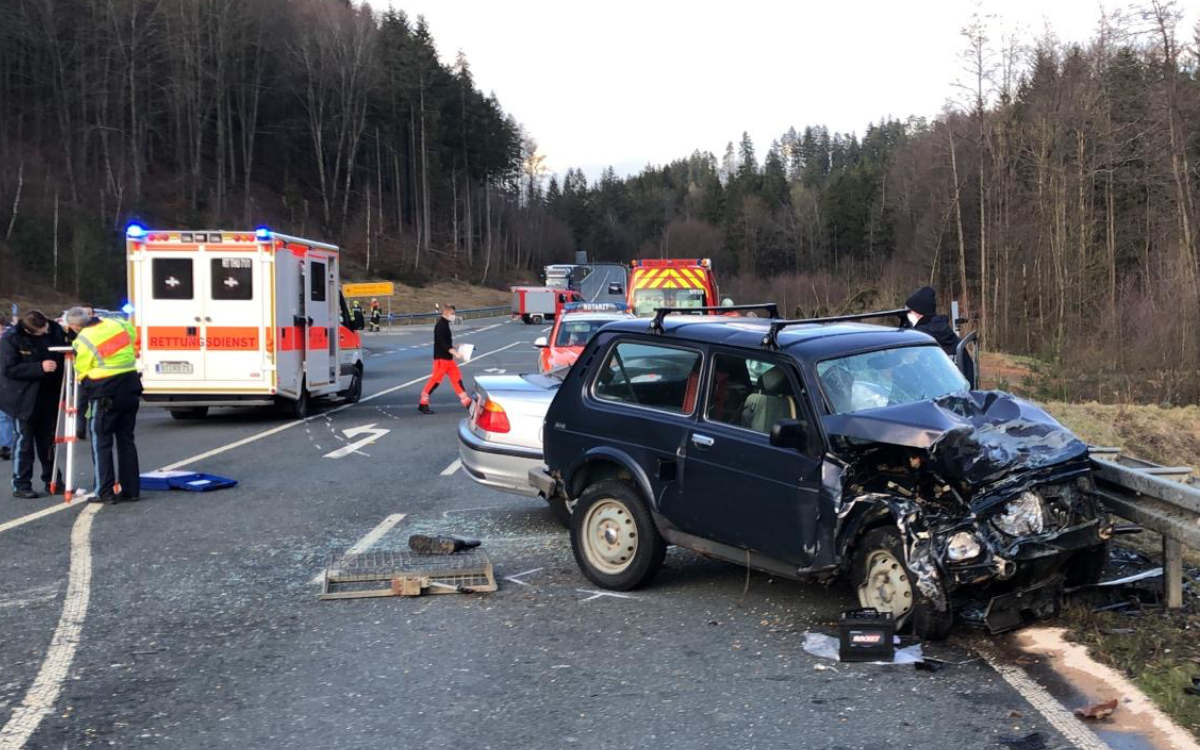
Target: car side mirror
x=790, y=433
x=540, y=342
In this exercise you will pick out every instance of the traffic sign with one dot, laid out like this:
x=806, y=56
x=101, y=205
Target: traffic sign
x=369, y=289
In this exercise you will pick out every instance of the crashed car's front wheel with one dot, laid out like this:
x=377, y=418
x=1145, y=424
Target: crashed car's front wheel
x=615, y=541
x=883, y=581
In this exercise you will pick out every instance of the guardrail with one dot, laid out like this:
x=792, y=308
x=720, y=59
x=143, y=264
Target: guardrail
x=477, y=312
x=1159, y=498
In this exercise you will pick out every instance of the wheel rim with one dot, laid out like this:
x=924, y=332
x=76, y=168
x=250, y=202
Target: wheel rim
x=609, y=537
x=886, y=585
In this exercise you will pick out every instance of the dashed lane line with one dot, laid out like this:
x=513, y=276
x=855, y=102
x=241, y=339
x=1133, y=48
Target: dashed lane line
x=454, y=466
x=16, y=522
x=42, y=694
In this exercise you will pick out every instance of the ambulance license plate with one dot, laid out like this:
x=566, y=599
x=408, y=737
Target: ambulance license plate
x=173, y=368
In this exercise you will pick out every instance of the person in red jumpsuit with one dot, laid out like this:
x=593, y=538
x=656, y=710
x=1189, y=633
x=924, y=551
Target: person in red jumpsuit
x=444, y=366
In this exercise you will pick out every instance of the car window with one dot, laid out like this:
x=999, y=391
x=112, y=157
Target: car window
x=888, y=378
x=232, y=278
x=749, y=393
x=658, y=377
x=646, y=301
x=576, y=332
x=171, y=278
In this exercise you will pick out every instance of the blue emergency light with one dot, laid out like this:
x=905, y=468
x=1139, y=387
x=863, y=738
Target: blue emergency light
x=262, y=233
x=135, y=231
x=127, y=308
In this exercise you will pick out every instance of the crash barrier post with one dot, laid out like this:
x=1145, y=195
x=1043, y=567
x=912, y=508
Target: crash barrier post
x=64, y=426
x=1159, y=498
x=477, y=312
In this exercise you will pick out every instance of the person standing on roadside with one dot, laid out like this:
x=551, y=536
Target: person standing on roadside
x=29, y=393
x=8, y=434
x=922, y=316
x=105, y=367
x=376, y=315
x=444, y=355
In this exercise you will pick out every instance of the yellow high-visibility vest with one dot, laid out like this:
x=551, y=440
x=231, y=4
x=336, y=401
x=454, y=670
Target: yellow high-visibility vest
x=105, y=349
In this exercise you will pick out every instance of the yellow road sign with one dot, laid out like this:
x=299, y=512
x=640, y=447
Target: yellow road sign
x=369, y=289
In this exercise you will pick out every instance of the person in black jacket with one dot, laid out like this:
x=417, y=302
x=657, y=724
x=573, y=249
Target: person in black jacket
x=922, y=316
x=30, y=381
x=444, y=355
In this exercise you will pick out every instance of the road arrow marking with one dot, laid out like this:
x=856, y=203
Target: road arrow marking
x=597, y=594
x=372, y=433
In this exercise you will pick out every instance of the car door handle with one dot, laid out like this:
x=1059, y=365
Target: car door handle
x=704, y=441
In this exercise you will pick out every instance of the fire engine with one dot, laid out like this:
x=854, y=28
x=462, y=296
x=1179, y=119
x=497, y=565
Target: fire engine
x=239, y=318
x=670, y=282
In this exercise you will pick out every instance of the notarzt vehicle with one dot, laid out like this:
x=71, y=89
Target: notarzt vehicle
x=820, y=449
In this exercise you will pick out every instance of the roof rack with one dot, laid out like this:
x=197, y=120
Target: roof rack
x=771, y=339
x=656, y=325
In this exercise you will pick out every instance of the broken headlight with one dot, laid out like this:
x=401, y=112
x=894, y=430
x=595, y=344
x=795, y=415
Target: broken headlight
x=1023, y=516
x=962, y=546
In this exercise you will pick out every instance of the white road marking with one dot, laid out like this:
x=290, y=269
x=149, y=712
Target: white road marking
x=516, y=576
x=454, y=466
x=77, y=502
x=42, y=694
x=597, y=594
x=1074, y=730
x=547, y=329
x=487, y=328
x=372, y=536
x=372, y=433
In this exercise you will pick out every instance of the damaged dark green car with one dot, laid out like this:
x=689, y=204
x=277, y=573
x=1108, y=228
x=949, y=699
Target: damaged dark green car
x=823, y=449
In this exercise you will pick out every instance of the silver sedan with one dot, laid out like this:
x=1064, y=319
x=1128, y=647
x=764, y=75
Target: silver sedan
x=501, y=439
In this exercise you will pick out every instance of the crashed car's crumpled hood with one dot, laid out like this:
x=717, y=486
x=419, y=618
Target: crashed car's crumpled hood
x=976, y=436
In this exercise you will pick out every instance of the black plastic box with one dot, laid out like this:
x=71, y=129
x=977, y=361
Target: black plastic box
x=866, y=635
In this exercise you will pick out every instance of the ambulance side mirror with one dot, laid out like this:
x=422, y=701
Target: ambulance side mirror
x=540, y=342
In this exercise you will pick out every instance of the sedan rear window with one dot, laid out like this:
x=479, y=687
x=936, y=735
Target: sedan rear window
x=658, y=377
x=889, y=377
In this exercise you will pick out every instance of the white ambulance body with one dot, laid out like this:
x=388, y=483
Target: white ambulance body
x=249, y=318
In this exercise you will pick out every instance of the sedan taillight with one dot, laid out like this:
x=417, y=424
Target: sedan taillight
x=491, y=417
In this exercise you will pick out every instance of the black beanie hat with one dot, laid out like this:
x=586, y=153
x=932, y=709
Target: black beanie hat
x=924, y=301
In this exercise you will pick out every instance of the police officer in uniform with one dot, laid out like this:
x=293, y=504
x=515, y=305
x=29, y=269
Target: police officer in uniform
x=105, y=367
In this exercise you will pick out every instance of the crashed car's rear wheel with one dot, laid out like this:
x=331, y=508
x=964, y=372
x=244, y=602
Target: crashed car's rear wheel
x=615, y=541
x=883, y=581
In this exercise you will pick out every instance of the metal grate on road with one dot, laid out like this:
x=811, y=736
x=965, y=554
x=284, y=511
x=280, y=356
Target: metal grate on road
x=393, y=572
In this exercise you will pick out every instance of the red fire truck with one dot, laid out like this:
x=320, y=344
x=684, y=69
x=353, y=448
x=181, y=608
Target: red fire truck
x=671, y=282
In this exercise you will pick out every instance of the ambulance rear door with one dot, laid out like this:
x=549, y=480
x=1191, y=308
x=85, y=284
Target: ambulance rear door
x=322, y=318
x=236, y=306
x=168, y=292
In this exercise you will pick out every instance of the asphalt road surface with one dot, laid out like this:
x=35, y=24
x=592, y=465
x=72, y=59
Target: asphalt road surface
x=191, y=620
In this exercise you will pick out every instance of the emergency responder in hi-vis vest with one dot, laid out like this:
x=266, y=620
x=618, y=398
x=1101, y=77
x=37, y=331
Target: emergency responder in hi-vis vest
x=105, y=367
x=376, y=315
x=443, y=362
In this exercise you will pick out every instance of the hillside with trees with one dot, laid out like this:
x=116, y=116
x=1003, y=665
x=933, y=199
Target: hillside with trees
x=1055, y=198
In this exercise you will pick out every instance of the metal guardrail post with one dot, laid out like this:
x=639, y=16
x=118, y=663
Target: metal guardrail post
x=1173, y=572
x=1145, y=493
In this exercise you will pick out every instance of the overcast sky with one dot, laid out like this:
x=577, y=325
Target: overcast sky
x=628, y=83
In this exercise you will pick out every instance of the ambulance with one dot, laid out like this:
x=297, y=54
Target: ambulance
x=240, y=318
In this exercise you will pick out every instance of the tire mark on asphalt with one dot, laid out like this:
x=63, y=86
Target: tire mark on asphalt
x=39, y=700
